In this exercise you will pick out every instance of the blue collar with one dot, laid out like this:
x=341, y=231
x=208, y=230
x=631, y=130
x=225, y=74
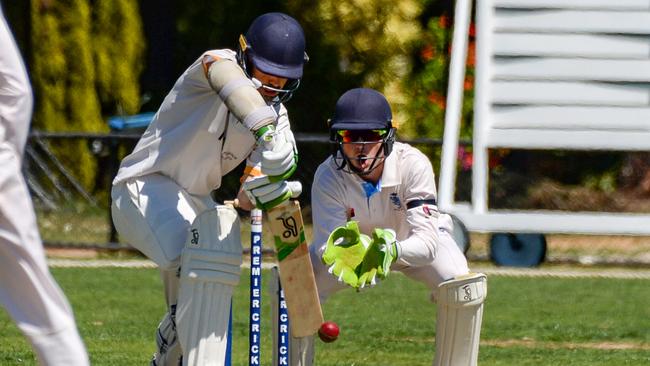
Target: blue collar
x=370, y=188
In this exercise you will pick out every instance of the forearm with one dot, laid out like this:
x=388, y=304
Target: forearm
x=418, y=249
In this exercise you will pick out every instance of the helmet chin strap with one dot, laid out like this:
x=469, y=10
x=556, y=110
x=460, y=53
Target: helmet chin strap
x=283, y=94
x=347, y=166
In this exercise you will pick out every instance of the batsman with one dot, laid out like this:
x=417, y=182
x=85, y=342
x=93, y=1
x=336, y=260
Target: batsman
x=374, y=212
x=226, y=108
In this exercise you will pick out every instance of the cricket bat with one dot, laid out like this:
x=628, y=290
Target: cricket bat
x=296, y=271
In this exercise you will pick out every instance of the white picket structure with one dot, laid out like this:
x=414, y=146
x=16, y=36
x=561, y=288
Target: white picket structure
x=550, y=74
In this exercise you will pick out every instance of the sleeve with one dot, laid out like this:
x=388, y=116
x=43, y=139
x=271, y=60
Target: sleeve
x=207, y=60
x=328, y=207
x=422, y=214
x=16, y=99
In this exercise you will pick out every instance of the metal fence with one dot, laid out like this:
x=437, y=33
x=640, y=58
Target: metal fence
x=71, y=215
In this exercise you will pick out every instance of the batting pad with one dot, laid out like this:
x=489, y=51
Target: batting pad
x=210, y=269
x=460, y=312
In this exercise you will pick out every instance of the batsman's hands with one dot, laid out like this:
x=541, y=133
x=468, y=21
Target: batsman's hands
x=273, y=160
x=344, y=252
x=265, y=194
x=275, y=153
x=381, y=254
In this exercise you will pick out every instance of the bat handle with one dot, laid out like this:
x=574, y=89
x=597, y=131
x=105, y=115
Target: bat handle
x=295, y=187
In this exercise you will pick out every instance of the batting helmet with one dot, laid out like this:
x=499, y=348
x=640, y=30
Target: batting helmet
x=275, y=45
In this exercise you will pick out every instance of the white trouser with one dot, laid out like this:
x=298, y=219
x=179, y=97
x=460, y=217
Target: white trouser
x=449, y=263
x=154, y=214
x=27, y=290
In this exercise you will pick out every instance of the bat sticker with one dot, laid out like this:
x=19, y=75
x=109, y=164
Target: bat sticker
x=291, y=227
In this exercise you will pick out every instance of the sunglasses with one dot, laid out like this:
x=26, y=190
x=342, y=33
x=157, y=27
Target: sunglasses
x=348, y=136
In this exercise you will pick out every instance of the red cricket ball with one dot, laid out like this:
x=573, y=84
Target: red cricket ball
x=328, y=332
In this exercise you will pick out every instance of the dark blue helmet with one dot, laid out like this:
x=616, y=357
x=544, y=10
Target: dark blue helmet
x=362, y=109
x=361, y=116
x=275, y=45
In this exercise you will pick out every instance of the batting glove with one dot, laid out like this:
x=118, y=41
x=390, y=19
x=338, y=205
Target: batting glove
x=381, y=254
x=276, y=152
x=344, y=252
x=266, y=194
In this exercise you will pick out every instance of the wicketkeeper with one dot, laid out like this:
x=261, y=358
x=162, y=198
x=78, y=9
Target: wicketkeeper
x=374, y=212
x=227, y=107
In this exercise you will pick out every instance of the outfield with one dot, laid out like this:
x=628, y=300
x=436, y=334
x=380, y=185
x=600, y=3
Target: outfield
x=527, y=321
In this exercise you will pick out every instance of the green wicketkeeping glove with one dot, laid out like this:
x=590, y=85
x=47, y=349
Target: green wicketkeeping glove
x=345, y=249
x=380, y=255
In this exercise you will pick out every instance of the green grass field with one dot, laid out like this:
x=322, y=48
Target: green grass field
x=527, y=321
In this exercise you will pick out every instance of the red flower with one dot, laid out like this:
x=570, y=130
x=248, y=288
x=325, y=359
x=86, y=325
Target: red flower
x=469, y=83
x=496, y=157
x=471, y=53
x=444, y=21
x=466, y=159
x=427, y=53
x=437, y=99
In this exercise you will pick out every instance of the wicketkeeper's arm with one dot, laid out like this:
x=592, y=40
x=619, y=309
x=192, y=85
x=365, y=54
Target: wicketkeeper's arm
x=422, y=215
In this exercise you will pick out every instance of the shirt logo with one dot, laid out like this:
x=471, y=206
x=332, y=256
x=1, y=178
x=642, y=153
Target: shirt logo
x=349, y=213
x=195, y=237
x=394, y=199
x=428, y=210
x=227, y=155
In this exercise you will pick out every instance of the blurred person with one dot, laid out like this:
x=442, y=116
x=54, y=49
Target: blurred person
x=27, y=289
x=226, y=108
x=374, y=212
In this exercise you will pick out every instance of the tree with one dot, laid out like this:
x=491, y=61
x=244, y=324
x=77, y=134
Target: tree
x=86, y=59
x=364, y=43
x=118, y=53
x=428, y=79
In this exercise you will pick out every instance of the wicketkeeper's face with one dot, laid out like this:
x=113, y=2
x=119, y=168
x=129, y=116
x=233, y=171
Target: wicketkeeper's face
x=271, y=84
x=362, y=148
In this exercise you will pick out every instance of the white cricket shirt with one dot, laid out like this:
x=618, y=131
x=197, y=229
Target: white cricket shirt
x=408, y=176
x=193, y=138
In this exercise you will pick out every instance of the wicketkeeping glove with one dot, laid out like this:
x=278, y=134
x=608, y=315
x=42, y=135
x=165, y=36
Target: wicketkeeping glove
x=381, y=254
x=344, y=252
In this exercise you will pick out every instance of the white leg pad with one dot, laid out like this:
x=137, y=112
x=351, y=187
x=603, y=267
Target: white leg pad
x=460, y=312
x=210, y=269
